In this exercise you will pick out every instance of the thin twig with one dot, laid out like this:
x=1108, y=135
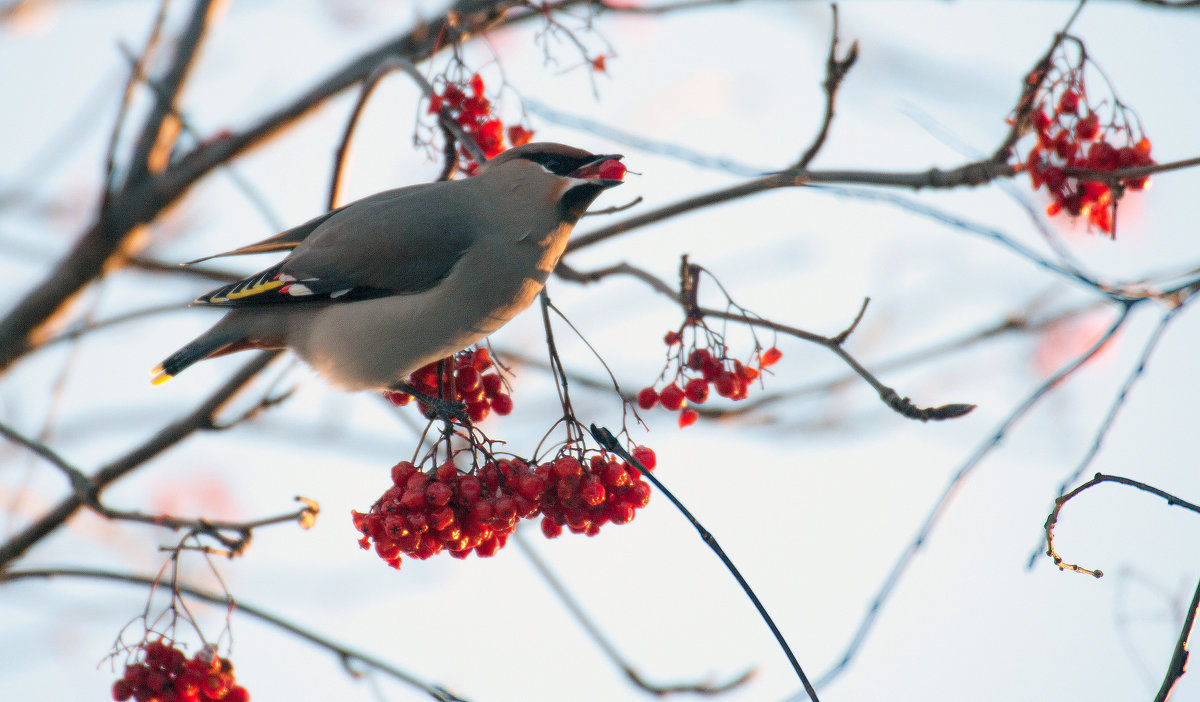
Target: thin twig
x=889, y=396
x=835, y=71
x=346, y=654
x=1052, y=519
x=201, y=418
x=1110, y=417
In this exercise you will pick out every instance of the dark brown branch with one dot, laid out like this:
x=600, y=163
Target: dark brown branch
x=345, y=654
x=1178, y=665
x=967, y=175
x=198, y=419
x=1115, y=177
x=889, y=396
x=1052, y=519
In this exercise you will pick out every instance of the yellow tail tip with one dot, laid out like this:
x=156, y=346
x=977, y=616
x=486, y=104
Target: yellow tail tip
x=156, y=370
x=161, y=377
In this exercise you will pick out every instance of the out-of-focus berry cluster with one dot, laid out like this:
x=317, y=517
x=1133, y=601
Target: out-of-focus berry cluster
x=1076, y=131
x=166, y=674
x=472, y=110
x=425, y=513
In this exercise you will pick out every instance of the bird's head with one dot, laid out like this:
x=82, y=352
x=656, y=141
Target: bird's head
x=568, y=177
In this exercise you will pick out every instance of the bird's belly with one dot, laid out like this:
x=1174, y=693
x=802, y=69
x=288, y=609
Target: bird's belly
x=373, y=344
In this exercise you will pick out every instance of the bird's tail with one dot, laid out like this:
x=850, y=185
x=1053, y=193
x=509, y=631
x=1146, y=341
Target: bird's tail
x=235, y=332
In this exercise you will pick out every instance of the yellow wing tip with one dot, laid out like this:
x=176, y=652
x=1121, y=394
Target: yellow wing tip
x=161, y=376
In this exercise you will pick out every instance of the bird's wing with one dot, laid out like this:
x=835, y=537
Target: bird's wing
x=283, y=241
x=394, y=243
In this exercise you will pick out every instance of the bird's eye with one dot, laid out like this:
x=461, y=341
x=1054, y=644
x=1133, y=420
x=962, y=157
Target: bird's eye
x=553, y=164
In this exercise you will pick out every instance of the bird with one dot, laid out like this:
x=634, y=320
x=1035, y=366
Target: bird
x=378, y=288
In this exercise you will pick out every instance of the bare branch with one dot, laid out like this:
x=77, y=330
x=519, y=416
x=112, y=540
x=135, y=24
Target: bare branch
x=198, y=419
x=1052, y=519
x=608, y=647
x=344, y=653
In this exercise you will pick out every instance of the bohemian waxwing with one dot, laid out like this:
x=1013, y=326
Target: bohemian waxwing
x=380, y=287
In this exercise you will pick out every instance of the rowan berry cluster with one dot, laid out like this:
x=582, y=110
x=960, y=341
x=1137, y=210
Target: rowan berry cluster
x=467, y=380
x=1071, y=133
x=703, y=371
x=166, y=674
x=472, y=110
x=423, y=514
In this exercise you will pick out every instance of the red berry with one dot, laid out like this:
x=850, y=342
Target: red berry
x=1040, y=120
x=438, y=494
x=1088, y=128
x=592, y=493
x=477, y=85
x=612, y=169
x=696, y=390
x=399, y=399
x=518, y=135
x=466, y=380
x=671, y=338
x=469, y=488
x=1069, y=102
x=491, y=384
x=447, y=472
x=672, y=398
x=645, y=456
x=688, y=417
x=647, y=398
x=727, y=384
x=566, y=466
x=770, y=357
x=453, y=95
x=502, y=404
x=121, y=691
x=478, y=411
x=550, y=528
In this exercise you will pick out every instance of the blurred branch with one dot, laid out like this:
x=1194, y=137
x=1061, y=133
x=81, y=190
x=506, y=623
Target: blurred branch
x=1110, y=417
x=970, y=174
x=609, y=443
x=88, y=493
x=345, y=654
x=606, y=646
x=1052, y=519
x=146, y=193
x=942, y=503
x=201, y=418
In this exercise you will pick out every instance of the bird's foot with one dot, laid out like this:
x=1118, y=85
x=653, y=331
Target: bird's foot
x=437, y=407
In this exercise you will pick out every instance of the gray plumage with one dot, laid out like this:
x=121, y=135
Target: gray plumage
x=376, y=289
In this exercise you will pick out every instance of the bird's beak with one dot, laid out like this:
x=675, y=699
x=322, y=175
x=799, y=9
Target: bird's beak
x=605, y=170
